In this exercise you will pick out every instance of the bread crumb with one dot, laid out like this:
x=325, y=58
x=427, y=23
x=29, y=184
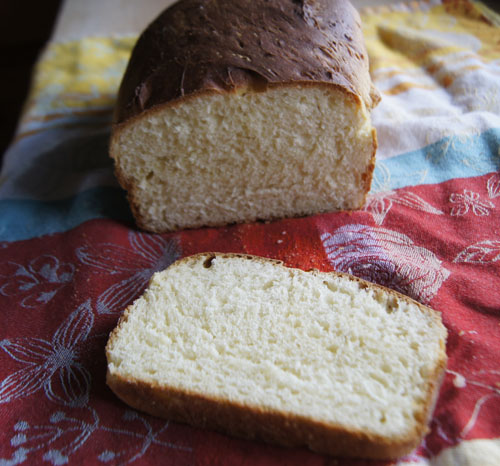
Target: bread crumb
x=459, y=381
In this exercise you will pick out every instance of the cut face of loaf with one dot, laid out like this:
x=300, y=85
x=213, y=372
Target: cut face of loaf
x=234, y=111
x=247, y=155
x=247, y=346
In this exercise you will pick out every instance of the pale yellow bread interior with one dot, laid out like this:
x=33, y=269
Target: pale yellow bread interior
x=217, y=158
x=324, y=347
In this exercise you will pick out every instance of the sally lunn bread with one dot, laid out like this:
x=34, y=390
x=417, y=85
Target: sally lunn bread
x=249, y=347
x=233, y=111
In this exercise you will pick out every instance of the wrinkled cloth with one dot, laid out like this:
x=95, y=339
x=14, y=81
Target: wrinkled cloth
x=71, y=258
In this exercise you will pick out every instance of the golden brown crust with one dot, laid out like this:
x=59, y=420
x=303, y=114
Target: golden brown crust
x=216, y=46
x=269, y=425
x=257, y=423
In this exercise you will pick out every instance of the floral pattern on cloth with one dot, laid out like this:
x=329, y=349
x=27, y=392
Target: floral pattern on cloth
x=385, y=257
x=51, y=366
x=37, y=282
x=148, y=254
x=71, y=258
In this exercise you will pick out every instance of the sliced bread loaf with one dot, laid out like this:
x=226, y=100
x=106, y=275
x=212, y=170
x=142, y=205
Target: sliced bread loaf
x=247, y=346
x=236, y=110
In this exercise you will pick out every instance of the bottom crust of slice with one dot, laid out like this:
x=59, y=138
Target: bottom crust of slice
x=251, y=423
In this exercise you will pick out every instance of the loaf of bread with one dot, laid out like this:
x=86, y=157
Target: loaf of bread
x=247, y=346
x=235, y=110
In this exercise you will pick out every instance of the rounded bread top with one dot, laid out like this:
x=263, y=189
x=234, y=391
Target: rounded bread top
x=200, y=46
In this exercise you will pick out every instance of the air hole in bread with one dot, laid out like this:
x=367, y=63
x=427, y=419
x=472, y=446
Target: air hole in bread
x=208, y=262
x=268, y=285
x=392, y=305
x=330, y=285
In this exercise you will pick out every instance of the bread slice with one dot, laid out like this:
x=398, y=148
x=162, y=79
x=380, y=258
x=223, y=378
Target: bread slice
x=247, y=346
x=233, y=111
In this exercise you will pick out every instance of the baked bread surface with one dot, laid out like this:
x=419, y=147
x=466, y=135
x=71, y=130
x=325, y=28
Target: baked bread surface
x=249, y=347
x=233, y=111
x=198, y=46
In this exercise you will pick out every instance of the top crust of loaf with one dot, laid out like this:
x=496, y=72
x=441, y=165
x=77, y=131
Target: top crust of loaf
x=203, y=46
x=277, y=427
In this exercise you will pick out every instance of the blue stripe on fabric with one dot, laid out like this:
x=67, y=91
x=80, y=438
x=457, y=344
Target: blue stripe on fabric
x=462, y=156
x=25, y=219
x=453, y=157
